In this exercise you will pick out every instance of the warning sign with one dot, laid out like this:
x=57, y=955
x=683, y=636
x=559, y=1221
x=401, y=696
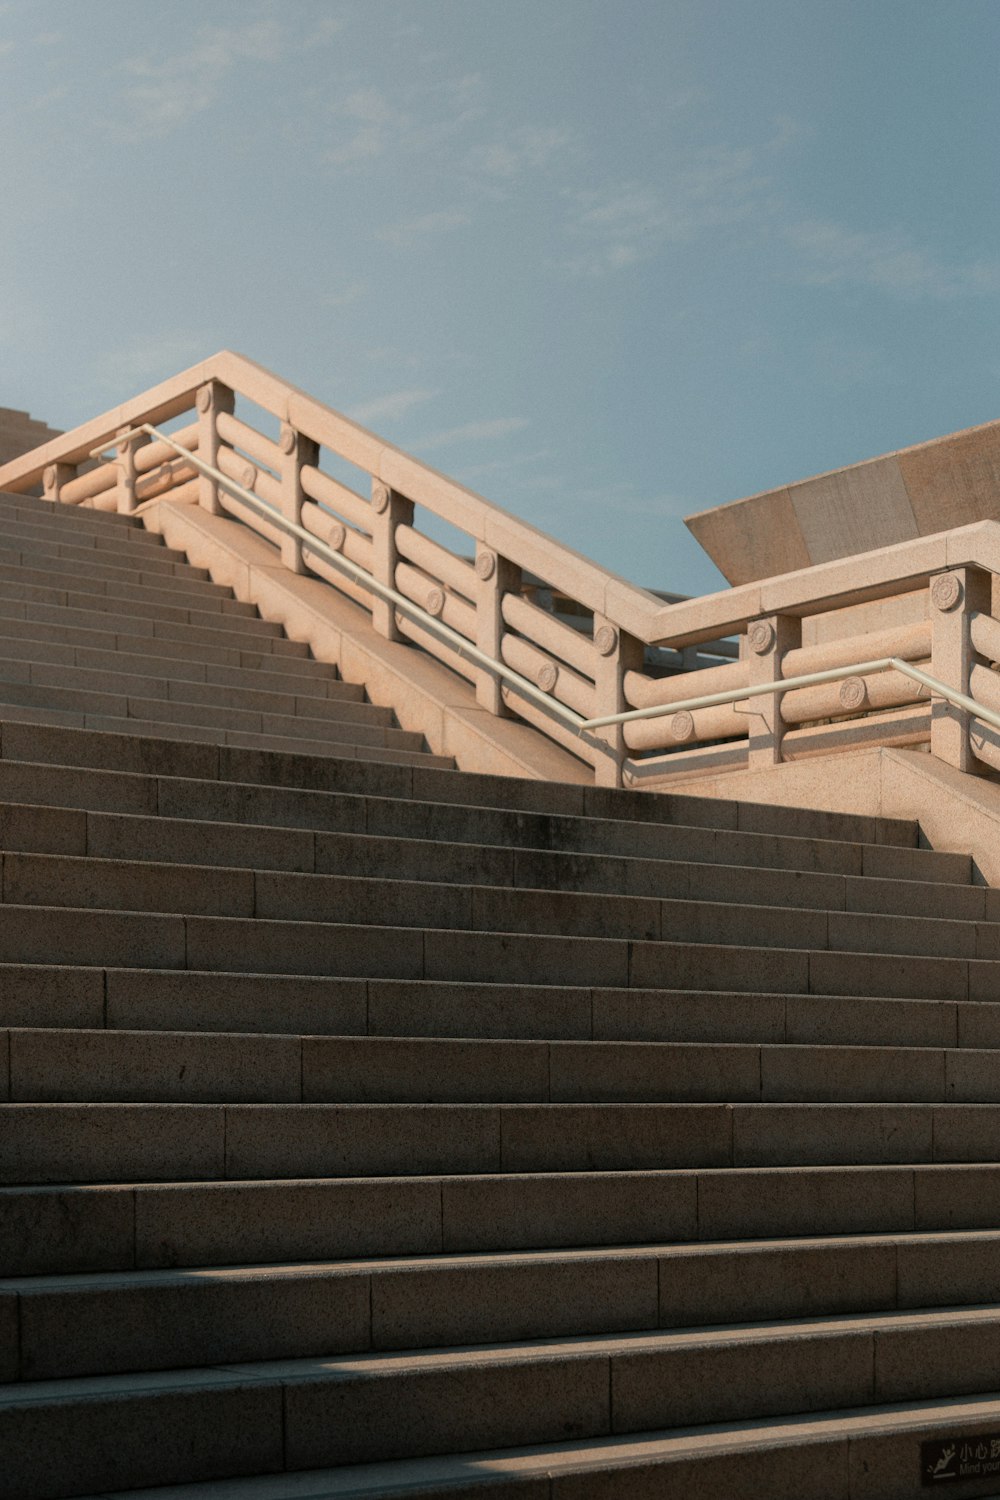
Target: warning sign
x=971, y=1456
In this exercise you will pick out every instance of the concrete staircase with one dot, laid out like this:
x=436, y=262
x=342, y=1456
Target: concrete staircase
x=371, y=1129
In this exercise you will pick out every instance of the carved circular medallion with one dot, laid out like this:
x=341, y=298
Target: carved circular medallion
x=49, y=477
x=287, y=440
x=605, y=640
x=486, y=565
x=547, y=677
x=336, y=535
x=681, y=726
x=434, y=603
x=853, y=692
x=380, y=497
x=946, y=591
x=760, y=637
x=248, y=476
x=203, y=400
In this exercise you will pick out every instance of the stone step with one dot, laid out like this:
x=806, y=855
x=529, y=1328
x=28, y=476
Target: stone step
x=134, y=618
x=46, y=1143
x=188, y=1000
x=51, y=829
x=358, y=1408
x=379, y=826
x=588, y=806
x=264, y=650
x=296, y=743
x=154, y=939
x=58, y=1326
x=865, y=1454
x=115, y=1065
x=149, y=1225
x=287, y=896
x=74, y=520
x=41, y=546
x=190, y=603
x=300, y=677
x=87, y=572
x=355, y=723
x=127, y=680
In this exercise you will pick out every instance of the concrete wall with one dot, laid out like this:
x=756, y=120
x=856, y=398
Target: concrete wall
x=918, y=491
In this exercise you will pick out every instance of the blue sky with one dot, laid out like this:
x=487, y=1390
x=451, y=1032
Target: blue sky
x=608, y=262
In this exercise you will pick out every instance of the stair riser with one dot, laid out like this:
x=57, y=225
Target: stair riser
x=345, y=1419
x=395, y=823
x=314, y=680
x=145, y=1000
x=78, y=684
x=55, y=1230
x=90, y=572
x=144, y=600
x=134, y=939
x=41, y=829
x=110, y=1066
x=160, y=1142
x=357, y=724
x=62, y=1332
x=140, y=641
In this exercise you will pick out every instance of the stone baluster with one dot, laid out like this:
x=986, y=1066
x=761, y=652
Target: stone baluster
x=297, y=450
x=495, y=577
x=53, y=479
x=954, y=597
x=389, y=510
x=615, y=654
x=126, y=450
x=768, y=639
x=212, y=398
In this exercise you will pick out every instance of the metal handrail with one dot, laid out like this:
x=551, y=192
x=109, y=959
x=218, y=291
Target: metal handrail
x=472, y=653
x=809, y=679
x=353, y=570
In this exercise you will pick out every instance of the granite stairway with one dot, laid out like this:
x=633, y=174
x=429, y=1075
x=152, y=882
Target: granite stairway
x=374, y=1129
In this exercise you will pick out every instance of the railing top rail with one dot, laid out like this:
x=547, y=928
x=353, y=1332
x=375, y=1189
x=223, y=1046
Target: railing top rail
x=568, y=716
x=892, y=570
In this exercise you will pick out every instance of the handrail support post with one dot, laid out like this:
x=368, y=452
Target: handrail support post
x=769, y=638
x=954, y=597
x=495, y=577
x=212, y=398
x=389, y=510
x=55, y=476
x=296, y=450
x=616, y=653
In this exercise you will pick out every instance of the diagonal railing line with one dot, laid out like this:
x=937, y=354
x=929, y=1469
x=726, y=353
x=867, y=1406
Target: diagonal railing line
x=472, y=653
x=353, y=570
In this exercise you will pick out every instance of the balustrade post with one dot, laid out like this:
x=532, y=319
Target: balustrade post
x=954, y=597
x=768, y=639
x=389, y=510
x=615, y=654
x=53, y=479
x=495, y=577
x=212, y=398
x=125, y=489
x=297, y=450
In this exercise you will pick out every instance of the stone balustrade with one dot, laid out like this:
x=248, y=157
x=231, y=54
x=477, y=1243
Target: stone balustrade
x=476, y=591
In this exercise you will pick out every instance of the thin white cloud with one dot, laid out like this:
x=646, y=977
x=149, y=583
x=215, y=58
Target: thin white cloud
x=423, y=225
x=130, y=368
x=165, y=92
x=367, y=123
x=528, y=148
x=391, y=406
x=887, y=261
x=474, y=432
x=345, y=296
x=6, y=48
